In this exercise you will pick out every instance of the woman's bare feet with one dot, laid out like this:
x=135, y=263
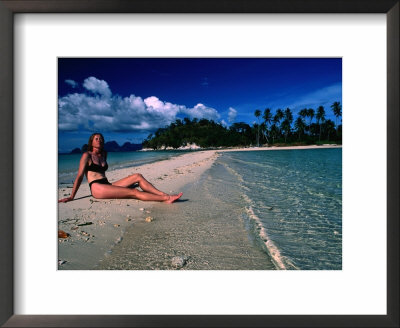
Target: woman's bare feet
x=173, y=198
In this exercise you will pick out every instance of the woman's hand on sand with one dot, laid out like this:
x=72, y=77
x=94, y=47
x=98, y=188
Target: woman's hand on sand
x=64, y=200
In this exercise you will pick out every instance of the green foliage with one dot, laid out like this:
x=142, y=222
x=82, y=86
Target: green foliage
x=277, y=129
x=204, y=133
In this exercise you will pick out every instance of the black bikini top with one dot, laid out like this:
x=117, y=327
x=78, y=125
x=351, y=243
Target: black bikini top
x=96, y=167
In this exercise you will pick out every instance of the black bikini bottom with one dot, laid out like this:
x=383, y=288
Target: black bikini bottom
x=101, y=181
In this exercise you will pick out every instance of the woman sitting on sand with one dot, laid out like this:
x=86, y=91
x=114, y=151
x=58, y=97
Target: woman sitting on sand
x=93, y=164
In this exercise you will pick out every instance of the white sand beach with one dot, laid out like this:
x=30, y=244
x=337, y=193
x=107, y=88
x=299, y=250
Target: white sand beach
x=95, y=226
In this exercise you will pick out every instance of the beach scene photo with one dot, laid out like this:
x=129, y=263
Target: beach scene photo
x=199, y=164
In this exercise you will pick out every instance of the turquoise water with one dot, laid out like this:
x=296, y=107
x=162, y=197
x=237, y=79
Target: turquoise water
x=291, y=201
x=288, y=203
x=68, y=164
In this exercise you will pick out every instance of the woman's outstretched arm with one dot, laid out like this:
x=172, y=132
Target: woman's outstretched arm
x=81, y=171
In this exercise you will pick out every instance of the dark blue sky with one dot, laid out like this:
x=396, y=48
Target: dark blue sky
x=128, y=98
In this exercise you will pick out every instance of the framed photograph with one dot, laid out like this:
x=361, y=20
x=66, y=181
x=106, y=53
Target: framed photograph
x=58, y=53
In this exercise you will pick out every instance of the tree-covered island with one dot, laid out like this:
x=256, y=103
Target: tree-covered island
x=278, y=128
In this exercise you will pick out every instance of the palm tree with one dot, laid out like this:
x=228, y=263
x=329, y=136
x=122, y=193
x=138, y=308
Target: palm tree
x=299, y=125
x=303, y=113
x=267, y=117
x=288, y=115
x=274, y=132
x=286, y=128
x=263, y=129
x=288, y=119
x=320, y=118
x=310, y=114
x=257, y=114
x=337, y=111
x=277, y=119
x=329, y=127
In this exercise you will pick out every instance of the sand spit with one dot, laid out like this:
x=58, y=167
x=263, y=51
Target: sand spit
x=200, y=233
x=95, y=226
x=279, y=148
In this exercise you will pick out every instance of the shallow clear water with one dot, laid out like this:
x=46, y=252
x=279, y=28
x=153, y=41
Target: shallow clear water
x=291, y=202
x=252, y=210
x=68, y=164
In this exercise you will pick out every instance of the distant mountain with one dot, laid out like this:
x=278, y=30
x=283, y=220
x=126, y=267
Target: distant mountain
x=76, y=151
x=127, y=146
x=111, y=146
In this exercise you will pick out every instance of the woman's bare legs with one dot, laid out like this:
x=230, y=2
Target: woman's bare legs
x=143, y=184
x=113, y=192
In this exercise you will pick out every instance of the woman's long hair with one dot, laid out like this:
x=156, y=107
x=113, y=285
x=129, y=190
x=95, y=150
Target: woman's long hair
x=90, y=147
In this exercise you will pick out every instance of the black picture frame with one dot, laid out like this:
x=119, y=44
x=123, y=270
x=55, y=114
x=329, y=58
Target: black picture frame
x=10, y=7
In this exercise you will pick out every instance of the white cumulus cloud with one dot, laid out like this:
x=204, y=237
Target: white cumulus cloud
x=232, y=115
x=223, y=122
x=201, y=111
x=100, y=110
x=97, y=86
x=72, y=83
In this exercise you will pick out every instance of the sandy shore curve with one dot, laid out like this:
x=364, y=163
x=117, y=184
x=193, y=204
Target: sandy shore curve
x=96, y=226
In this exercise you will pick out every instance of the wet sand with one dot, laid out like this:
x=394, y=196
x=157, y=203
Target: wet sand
x=95, y=226
x=200, y=233
x=117, y=234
